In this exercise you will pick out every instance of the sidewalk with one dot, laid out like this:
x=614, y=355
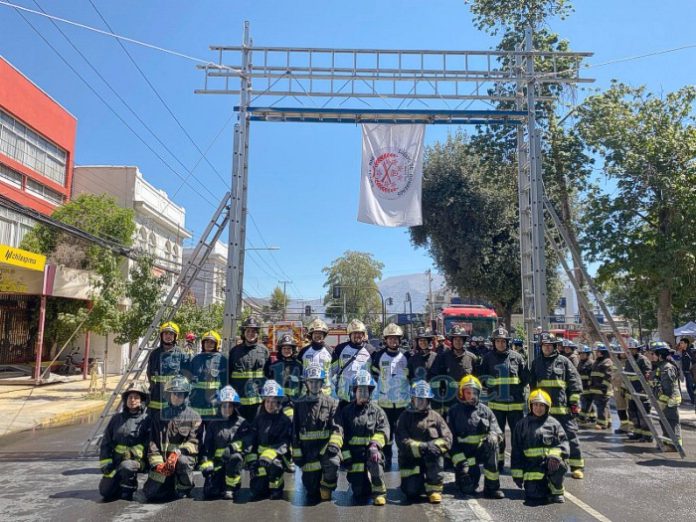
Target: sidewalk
x=27, y=408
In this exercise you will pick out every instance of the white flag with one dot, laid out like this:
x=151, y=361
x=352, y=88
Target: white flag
x=392, y=175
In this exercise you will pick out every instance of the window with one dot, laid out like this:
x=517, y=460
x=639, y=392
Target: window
x=11, y=177
x=32, y=150
x=142, y=239
x=45, y=193
x=152, y=243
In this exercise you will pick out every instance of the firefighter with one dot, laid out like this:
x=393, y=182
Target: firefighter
x=441, y=346
x=390, y=367
x=246, y=363
x=364, y=430
x=539, y=450
x=173, y=446
x=619, y=392
x=477, y=439
x=164, y=363
x=640, y=430
x=422, y=358
x=569, y=350
x=225, y=439
x=518, y=346
x=190, y=346
x=122, y=450
x=208, y=375
x=423, y=438
x=286, y=369
x=313, y=429
x=449, y=367
x=348, y=359
x=270, y=445
x=504, y=375
x=557, y=376
x=600, y=386
x=588, y=412
x=666, y=377
x=317, y=351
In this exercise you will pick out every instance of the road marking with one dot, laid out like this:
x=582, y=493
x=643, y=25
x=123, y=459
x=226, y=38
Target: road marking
x=589, y=509
x=479, y=510
x=461, y=510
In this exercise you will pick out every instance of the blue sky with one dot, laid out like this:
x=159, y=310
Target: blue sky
x=304, y=178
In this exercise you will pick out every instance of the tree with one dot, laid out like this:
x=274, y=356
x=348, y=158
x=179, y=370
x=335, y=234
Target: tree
x=278, y=302
x=145, y=291
x=494, y=15
x=355, y=273
x=644, y=229
x=634, y=300
x=199, y=319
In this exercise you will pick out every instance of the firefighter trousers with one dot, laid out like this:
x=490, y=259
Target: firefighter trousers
x=539, y=485
x=511, y=418
x=367, y=479
x=571, y=428
x=587, y=409
x=124, y=479
x=468, y=472
x=392, y=416
x=322, y=473
x=267, y=477
x=159, y=487
x=227, y=476
x=672, y=416
x=601, y=402
x=424, y=475
x=640, y=425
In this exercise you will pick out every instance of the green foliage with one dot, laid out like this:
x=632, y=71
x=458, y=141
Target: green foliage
x=356, y=273
x=278, y=301
x=198, y=319
x=494, y=15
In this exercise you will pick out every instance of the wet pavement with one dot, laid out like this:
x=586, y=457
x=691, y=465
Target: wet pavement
x=44, y=478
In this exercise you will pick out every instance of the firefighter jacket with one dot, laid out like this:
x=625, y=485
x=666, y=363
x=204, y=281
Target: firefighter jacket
x=208, y=375
x=454, y=365
x=270, y=436
x=574, y=358
x=220, y=434
x=645, y=367
x=419, y=365
x=287, y=373
x=313, y=426
x=504, y=376
x=585, y=369
x=175, y=429
x=162, y=366
x=246, y=363
x=601, y=376
x=390, y=369
x=125, y=438
x=348, y=359
x=667, y=381
x=534, y=439
x=557, y=376
x=415, y=427
x=358, y=427
x=317, y=353
x=470, y=425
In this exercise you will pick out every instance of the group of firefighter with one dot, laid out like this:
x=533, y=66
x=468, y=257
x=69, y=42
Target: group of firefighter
x=320, y=410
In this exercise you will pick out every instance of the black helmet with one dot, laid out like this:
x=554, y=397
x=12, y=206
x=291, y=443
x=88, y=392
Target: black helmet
x=422, y=333
x=136, y=387
x=250, y=322
x=548, y=338
x=500, y=333
x=286, y=340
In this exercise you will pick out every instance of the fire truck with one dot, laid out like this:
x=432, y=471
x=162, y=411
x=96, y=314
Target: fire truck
x=274, y=331
x=477, y=320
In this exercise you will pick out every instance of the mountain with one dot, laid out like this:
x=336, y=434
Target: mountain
x=416, y=284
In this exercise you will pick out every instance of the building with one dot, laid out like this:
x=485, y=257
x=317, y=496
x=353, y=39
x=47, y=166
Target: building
x=159, y=231
x=37, y=142
x=209, y=287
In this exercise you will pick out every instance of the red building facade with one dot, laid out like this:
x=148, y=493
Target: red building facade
x=37, y=142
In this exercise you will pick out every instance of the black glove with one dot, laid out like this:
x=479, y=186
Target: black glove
x=208, y=472
x=432, y=449
x=225, y=457
x=518, y=482
x=108, y=468
x=332, y=449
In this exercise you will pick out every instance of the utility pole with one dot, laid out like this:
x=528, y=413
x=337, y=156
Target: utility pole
x=285, y=298
x=430, y=297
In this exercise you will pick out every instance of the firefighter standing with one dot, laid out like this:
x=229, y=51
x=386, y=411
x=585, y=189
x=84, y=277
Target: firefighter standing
x=569, y=350
x=588, y=413
x=164, y=363
x=539, y=450
x=270, y=445
x=619, y=393
x=477, y=438
x=666, y=377
x=504, y=375
x=208, y=375
x=640, y=432
x=122, y=450
x=390, y=366
x=348, y=359
x=422, y=357
x=450, y=367
x=601, y=386
x=223, y=446
x=313, y=429
x=423, y=438
x=317, y=351
x=246, y=363
x=364, y=430
x=557, y=376
x=286, y=369
x=173, y=446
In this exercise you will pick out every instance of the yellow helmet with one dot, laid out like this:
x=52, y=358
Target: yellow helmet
x=539, y=396
x=169, y=326
x=212, y=335
x=392, y=330
x=468, y=381
x=356, y=326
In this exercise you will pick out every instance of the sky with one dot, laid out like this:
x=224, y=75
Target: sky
x=303, y=178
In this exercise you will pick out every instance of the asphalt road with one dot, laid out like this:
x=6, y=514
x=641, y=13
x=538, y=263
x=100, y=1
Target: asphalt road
x=43, y=478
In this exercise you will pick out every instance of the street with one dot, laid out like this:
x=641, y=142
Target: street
x=44, y=479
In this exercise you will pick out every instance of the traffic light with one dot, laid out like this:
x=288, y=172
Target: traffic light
x=308, y=311
x=336, y=292
x=389, y=301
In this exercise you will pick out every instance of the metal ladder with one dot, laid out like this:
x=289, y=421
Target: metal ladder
x=171, y=304
x=560, y=242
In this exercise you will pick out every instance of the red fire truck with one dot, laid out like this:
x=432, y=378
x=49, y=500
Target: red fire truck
x=477, y=320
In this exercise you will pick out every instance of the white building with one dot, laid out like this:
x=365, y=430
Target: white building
x=159, y=227
x=209, y=287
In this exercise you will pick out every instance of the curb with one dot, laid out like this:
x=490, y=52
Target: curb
x=64, y=419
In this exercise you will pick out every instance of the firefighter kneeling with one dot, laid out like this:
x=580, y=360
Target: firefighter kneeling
x=478, y=437
x=539, y=450
x=364, y=430
x=423, y=438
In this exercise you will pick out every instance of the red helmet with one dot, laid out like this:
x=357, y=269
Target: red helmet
x=190, y=336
